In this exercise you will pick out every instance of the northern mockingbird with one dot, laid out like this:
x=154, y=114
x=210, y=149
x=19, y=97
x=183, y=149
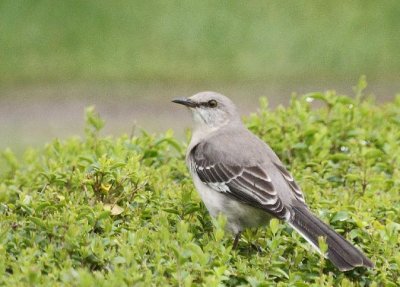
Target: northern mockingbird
x=240, y=176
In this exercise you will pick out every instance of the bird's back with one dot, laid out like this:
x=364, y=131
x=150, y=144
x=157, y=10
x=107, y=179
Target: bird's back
x=237, y=146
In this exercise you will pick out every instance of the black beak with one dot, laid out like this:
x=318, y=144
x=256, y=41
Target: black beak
x=186, y=102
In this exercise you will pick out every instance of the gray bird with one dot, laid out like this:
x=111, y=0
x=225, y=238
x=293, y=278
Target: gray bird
x=240, y=176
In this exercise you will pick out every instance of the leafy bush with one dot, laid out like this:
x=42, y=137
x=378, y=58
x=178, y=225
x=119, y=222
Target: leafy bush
x=123, y=211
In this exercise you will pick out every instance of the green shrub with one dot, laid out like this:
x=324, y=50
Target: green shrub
x=123, y=211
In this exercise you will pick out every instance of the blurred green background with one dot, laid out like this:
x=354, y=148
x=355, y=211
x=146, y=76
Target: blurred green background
x=130, y=57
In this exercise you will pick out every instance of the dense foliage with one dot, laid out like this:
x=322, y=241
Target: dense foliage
x=123, y=211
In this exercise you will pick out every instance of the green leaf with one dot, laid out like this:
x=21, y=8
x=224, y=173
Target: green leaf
x=274, y=225
x=114, y=209
x=340, y=216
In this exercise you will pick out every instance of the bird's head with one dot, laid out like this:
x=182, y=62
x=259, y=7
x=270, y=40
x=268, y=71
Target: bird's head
x=210, y=109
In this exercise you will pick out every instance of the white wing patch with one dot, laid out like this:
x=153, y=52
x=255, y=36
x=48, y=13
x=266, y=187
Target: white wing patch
x=219, y=186
x=201, y=168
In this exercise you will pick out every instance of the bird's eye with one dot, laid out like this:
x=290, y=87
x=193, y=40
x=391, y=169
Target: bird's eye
x=212, y=103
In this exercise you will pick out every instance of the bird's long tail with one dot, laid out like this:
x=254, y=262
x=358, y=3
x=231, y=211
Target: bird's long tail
x=340, y=252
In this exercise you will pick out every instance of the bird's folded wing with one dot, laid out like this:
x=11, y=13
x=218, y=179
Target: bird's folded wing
x=298, y=194
x=248, y=184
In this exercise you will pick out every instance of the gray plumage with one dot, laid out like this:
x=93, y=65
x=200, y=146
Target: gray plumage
x=240, y=176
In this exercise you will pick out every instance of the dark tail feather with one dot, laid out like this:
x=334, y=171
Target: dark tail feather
x=340, y=252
